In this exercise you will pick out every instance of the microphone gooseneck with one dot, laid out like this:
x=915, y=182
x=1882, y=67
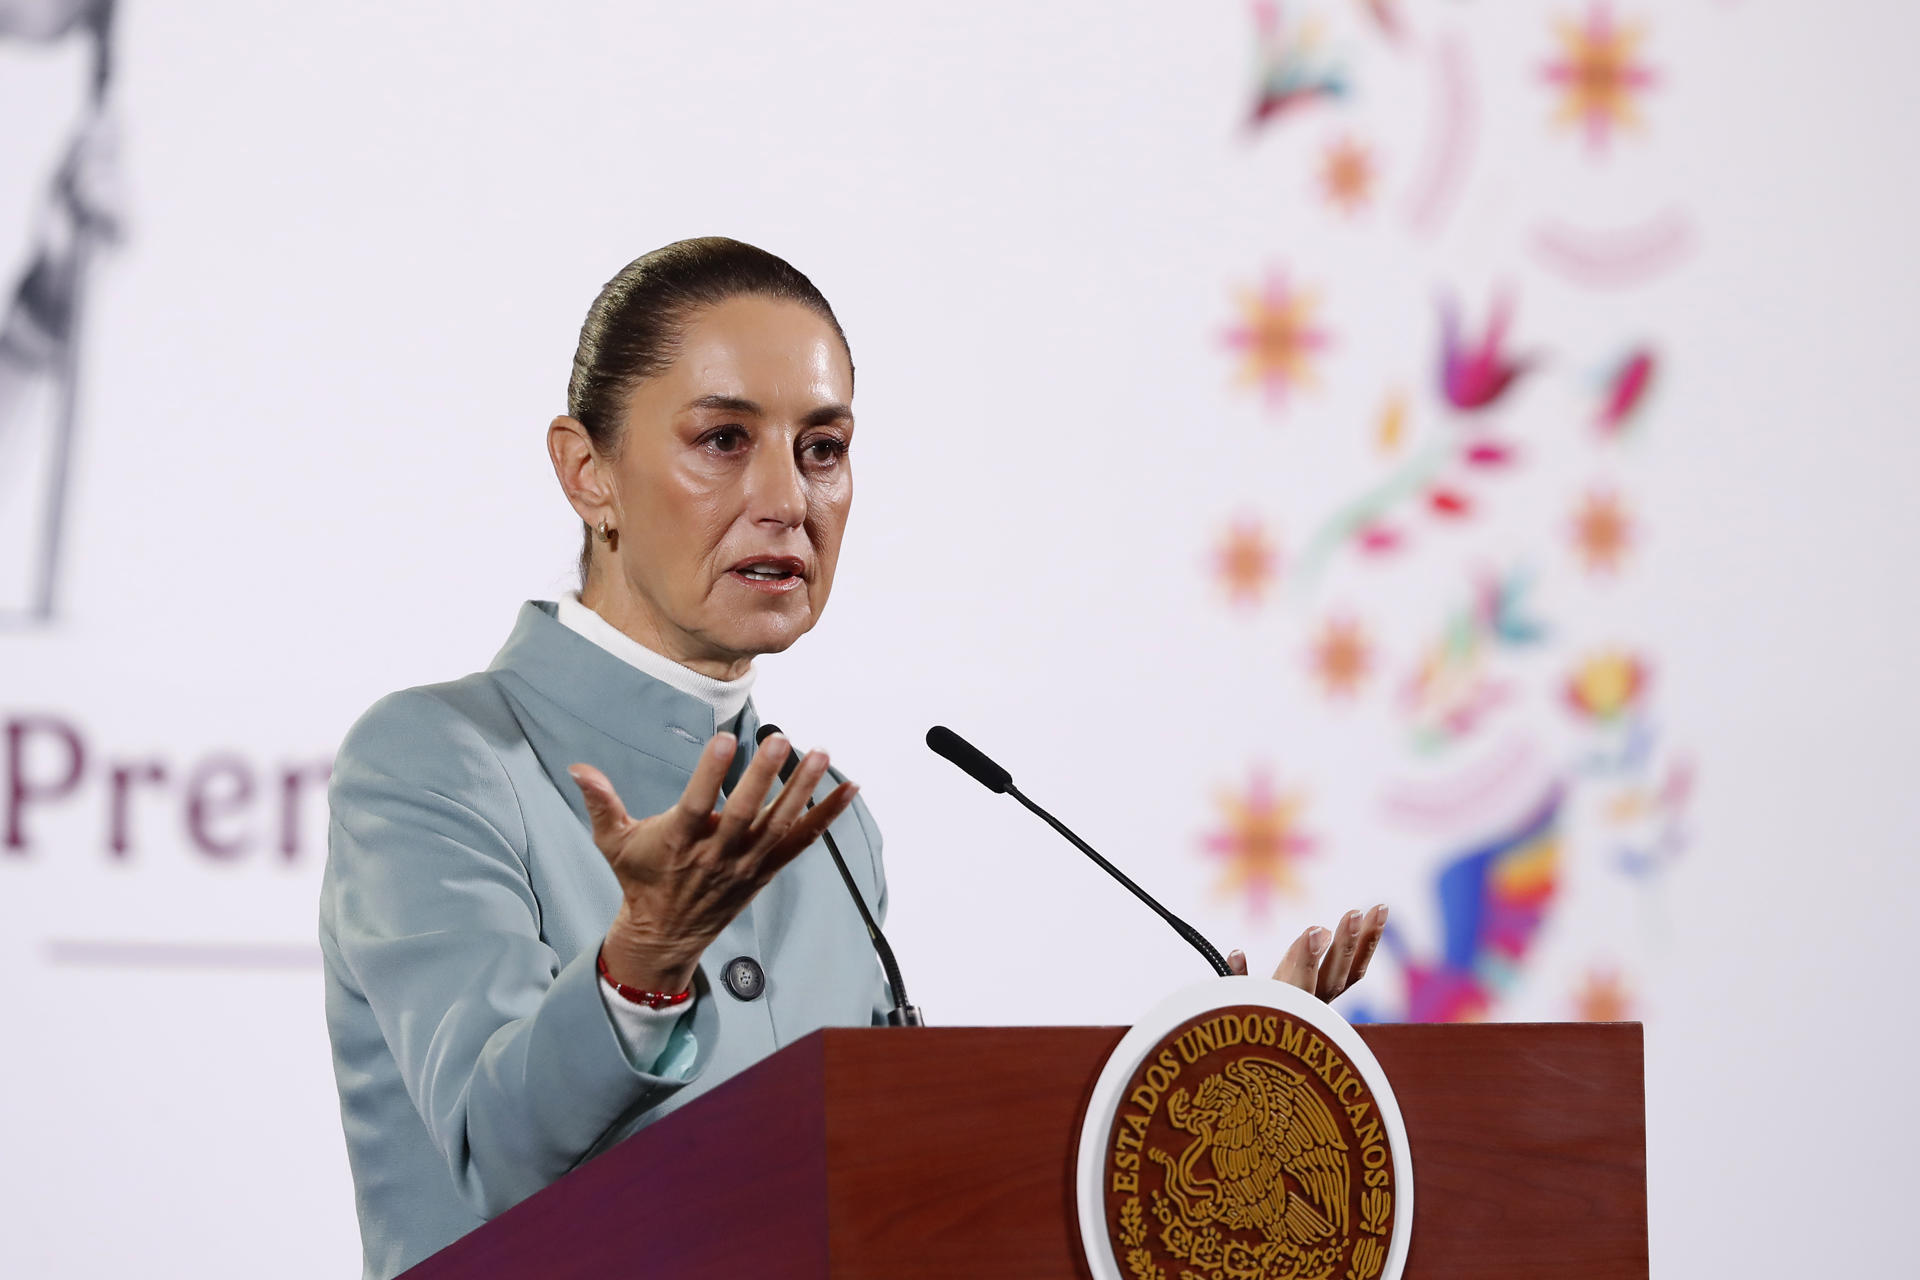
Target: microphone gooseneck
x=903, y=1013
x=976, y=765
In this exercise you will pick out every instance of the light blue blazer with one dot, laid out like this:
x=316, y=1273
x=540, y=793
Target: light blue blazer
x=462, y=911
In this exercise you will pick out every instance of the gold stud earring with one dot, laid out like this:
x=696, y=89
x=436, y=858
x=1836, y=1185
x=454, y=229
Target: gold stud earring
x=609, y=536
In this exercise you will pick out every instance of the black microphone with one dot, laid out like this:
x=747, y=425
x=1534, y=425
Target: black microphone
x=975, y=764
x=903, y=1013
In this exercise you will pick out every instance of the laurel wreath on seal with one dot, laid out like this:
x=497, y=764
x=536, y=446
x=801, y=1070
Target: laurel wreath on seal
x=1133, y=1234
x=1368, y=1253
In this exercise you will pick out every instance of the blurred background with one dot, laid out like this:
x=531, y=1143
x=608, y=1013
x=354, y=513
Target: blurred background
x=1445, y=453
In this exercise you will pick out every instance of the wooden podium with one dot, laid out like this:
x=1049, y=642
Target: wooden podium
x=900, y=1154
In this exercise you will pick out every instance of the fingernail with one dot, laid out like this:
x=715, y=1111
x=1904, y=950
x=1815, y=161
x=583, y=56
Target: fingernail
x=1236, y=954
x=1353, y=922
x=1317, y=941
x=724, y=741
x=1382, y=910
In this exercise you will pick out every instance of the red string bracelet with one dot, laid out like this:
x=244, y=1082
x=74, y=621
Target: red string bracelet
x=651, y=999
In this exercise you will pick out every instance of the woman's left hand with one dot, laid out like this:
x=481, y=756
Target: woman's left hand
x=1323, y=963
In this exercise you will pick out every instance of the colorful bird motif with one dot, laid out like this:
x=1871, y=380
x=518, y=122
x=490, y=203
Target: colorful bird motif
x=1289, y=73
x=1277, y=338
x=1599, y=74
x=1476, y=379
x=1494, y=897
x=1261, y=842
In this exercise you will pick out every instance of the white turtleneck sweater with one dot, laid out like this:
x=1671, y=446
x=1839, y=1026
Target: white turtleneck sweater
x=644, y=1032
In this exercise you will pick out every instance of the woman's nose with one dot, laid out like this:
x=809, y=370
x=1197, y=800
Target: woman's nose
x=775, y=489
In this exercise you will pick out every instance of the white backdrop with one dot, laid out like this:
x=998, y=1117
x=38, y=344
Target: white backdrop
x=308, y=469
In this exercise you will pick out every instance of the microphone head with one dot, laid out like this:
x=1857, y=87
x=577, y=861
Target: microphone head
x=970, y=758
x=793, y=757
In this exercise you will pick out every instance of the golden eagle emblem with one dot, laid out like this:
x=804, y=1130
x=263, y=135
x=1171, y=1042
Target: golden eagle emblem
x=1247, y=1146
x=1266, y=1157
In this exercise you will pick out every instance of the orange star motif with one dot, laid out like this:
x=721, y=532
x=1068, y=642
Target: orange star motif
x=1342, y=657
x=1602, y=532
x=1276, y=338
x=1346, y=176
x=1599, y=74
x=1602, y=998
x=1260, y=842
x=1245, y=562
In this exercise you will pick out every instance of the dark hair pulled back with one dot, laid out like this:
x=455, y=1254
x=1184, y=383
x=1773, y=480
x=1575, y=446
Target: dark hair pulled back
x=633, y=329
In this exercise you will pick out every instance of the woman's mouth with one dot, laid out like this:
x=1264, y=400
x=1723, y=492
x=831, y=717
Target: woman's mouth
x=773, y=574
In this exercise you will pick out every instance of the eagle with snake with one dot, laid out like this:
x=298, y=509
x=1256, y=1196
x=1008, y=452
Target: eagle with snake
x=1266, y=1157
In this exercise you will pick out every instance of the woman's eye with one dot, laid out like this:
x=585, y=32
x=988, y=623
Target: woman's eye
x=727, y=440
x=824, y=452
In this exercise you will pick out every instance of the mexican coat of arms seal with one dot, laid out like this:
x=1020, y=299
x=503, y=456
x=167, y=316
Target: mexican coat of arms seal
x=1243, y=1131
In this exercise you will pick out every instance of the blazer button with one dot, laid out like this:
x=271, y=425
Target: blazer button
x=745, y=978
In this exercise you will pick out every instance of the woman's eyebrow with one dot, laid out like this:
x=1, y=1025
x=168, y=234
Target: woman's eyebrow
x=726, y=404
x=818, y=417
x=828, y=413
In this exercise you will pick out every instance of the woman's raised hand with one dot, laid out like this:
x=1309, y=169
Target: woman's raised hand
x=1323, y=963
x=686, y=873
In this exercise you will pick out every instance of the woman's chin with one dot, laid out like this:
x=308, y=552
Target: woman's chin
x=767, y=634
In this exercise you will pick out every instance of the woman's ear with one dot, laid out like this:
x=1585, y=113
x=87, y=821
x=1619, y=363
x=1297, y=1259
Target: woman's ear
x=583, y=474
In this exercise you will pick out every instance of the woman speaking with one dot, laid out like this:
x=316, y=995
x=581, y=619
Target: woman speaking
x=565, y=895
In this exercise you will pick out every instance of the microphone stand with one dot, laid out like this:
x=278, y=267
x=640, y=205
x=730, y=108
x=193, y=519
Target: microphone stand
x=903, y=1013
x=976, y=764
